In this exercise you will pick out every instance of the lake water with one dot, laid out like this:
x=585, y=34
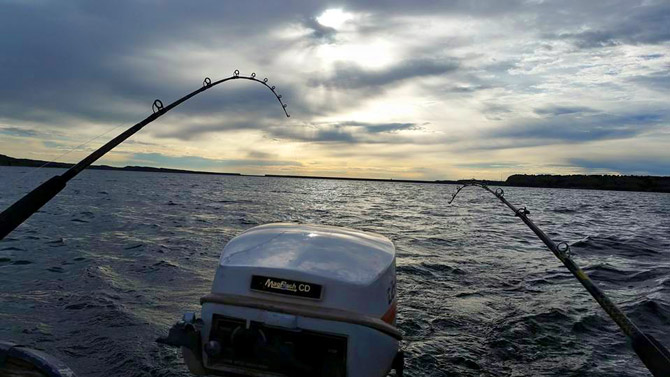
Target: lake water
x=115, y=259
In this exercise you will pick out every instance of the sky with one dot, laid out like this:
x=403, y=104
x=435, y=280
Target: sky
x=384, y=89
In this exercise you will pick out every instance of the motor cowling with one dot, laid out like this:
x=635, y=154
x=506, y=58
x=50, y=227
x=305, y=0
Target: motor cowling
x=300, y=300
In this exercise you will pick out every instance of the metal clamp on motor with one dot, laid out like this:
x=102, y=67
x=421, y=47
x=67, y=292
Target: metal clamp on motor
x=186, y=334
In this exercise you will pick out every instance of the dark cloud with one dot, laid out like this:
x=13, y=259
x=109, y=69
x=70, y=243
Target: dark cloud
x=580, y=127
x=471, y=8
x=349, y=76
x=460, y=89
x=54, y=145
x=188, y=129
x=631, y=22
x=15, y=131
x=491, y=165
x=633, y=166
x=260, y=155
x=496, y=111
x=652, y=56
x=658, y=81
x=193, y=162
x=320, y=33
x=380, y=127
x=349, y=132
x=563, y=110
x=322, y=134
x=136, y=142
x=63, y=61
x=592, y=39
x=344, y=132
x=337, y=135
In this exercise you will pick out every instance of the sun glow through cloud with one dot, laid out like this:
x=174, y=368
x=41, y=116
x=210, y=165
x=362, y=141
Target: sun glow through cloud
x=374, y=55
x=334, y=18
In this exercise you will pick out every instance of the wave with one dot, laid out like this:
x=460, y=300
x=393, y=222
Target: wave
x=636, y=246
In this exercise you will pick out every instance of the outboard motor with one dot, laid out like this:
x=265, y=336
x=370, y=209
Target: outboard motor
x=297, y=300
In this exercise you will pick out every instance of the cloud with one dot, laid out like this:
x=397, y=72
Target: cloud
x=635, y=166
x=476, y=8
x=348, y=132
x=344, y=132
x=54, y=145
x=201, y=163
x=659, y=81
x=380, y=127
x=576, y=127
x=193, y=129
x=471, y=88
x=103, y=63
x=496, y=111
x=635, y=24
x=15, y=131
x=652, y=56
x=491, y=165
x=260, y=155
x=136, y=142
x=563, y=110
x=350, y=76
x=320, y=33
x=592, y=39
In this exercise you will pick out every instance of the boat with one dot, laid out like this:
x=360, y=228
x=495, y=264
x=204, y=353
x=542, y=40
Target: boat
x=21, y=361
x=297, y=300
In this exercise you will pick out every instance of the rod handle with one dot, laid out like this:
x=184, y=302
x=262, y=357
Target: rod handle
x=13, y=216
x=653, y=354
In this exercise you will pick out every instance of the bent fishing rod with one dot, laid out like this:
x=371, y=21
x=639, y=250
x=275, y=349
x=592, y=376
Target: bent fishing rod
x=652, y=353
x=25, y=207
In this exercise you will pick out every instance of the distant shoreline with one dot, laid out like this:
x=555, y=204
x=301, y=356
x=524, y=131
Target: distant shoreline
x=24, y=162
x=583, y=182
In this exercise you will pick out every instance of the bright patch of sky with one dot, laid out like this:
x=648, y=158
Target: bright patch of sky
x=334, y=18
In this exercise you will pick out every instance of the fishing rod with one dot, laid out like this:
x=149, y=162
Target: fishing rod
x=652, y=353
x=25, y=207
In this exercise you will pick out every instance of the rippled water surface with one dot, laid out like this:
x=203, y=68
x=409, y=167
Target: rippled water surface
x=105, y=268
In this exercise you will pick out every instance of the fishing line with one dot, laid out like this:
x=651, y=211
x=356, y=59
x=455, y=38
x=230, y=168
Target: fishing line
x=33, y=171
x=652, y=353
